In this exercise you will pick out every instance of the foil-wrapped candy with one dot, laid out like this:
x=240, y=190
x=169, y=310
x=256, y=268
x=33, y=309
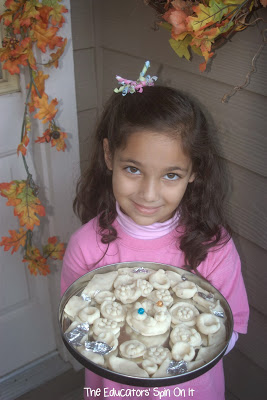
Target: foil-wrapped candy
x=177, y=367
x=98, y=347
x=75, y=335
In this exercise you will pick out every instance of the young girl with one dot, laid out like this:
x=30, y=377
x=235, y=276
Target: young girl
x=154, y=192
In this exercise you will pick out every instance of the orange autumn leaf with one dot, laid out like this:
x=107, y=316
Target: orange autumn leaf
x=60, y=142
x=22, y=147
x=46, y=111
x=30, y=12
x=39, y=81
x=37, y=264
x=45, y=36
x=56, y=15
x=28, y=208
x=44, y=13
x=55, y=56
x=53, y=249
x=26, y=205
x=11, y=191
x=15, y=240
x=12, y=64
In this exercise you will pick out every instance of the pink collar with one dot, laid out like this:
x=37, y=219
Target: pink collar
x=154, y=231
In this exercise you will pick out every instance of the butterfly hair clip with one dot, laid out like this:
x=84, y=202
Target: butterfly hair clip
x=128, y=86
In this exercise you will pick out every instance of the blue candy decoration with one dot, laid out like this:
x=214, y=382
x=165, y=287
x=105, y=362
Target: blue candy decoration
x=140, y=311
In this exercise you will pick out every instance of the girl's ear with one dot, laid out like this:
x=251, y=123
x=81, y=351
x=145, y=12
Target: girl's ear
x=192, y=177
x=107, y=154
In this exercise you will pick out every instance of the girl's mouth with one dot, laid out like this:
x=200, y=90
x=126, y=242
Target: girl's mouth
x=146, y=210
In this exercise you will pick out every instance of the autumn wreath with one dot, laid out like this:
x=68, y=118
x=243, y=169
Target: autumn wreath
x=204, y=25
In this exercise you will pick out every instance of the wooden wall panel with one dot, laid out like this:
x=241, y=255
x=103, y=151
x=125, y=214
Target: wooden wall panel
x=127, y=26
x=244, y=379
x=254, y=343
x=82, y=21
x=85, y=78
x=86, y=122
x=254, y=271
x=248, y=205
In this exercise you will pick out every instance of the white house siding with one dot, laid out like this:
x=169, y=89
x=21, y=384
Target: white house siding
x=116, y=37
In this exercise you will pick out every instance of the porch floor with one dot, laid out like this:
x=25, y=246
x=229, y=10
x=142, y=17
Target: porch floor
x=68, y=386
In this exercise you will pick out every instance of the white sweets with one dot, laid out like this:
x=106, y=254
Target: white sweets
x=149, y=317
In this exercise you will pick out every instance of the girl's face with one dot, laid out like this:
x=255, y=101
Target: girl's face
x=150, y=176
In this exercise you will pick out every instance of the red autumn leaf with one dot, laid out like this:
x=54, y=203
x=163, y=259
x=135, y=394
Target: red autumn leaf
x=53, y=249
x=177, y=18
x=46, y=111
x=15, y=240
x=37, y=264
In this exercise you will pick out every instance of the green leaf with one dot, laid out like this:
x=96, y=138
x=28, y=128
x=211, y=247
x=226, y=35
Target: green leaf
x=181, y=46
x=197, y=50
x=166, y=26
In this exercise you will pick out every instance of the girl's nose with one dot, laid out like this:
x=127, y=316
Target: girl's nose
x=150, y=190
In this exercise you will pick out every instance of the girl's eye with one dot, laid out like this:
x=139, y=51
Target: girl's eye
x=172, y=177
x=133, y=170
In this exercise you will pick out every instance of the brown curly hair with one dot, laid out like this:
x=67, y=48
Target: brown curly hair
x=169, y=111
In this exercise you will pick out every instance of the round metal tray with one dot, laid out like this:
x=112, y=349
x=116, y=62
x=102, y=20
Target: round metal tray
x=77, y=287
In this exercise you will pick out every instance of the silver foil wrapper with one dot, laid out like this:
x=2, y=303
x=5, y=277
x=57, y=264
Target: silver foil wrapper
x=141, y=269
x=98, y=347
x=85, y=297
x=75, y=336
x=208, y=296
x=219, y=314
x=177, y=367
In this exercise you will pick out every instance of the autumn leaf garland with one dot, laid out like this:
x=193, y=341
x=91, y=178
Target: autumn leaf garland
x=31, y=25
x=198, y=25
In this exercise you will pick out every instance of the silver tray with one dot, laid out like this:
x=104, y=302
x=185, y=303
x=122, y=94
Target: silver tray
x=77, y=287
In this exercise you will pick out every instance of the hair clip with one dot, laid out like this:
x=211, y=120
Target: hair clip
x=129, y=86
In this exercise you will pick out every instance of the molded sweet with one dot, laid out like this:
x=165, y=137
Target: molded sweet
x=74, y=305
x=88, y=314
x=185, y=289
x=183, y=351
x=100, y=282
x=150, y=322
x=104, y=295
x=113, y=310
x=128, y=293
x=184, y=312
x=162, y=295
x=208, y=323
x=95, y=357
x=160, y=280
x=157, y=354
x=132, y=349
x=128, y=367
x=149, y=366
x=183, y=333
x=105, y=325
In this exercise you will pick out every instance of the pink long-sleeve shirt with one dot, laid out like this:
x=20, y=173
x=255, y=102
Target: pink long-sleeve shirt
x=221, y=267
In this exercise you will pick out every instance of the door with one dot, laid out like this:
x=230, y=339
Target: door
x=28, y=304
